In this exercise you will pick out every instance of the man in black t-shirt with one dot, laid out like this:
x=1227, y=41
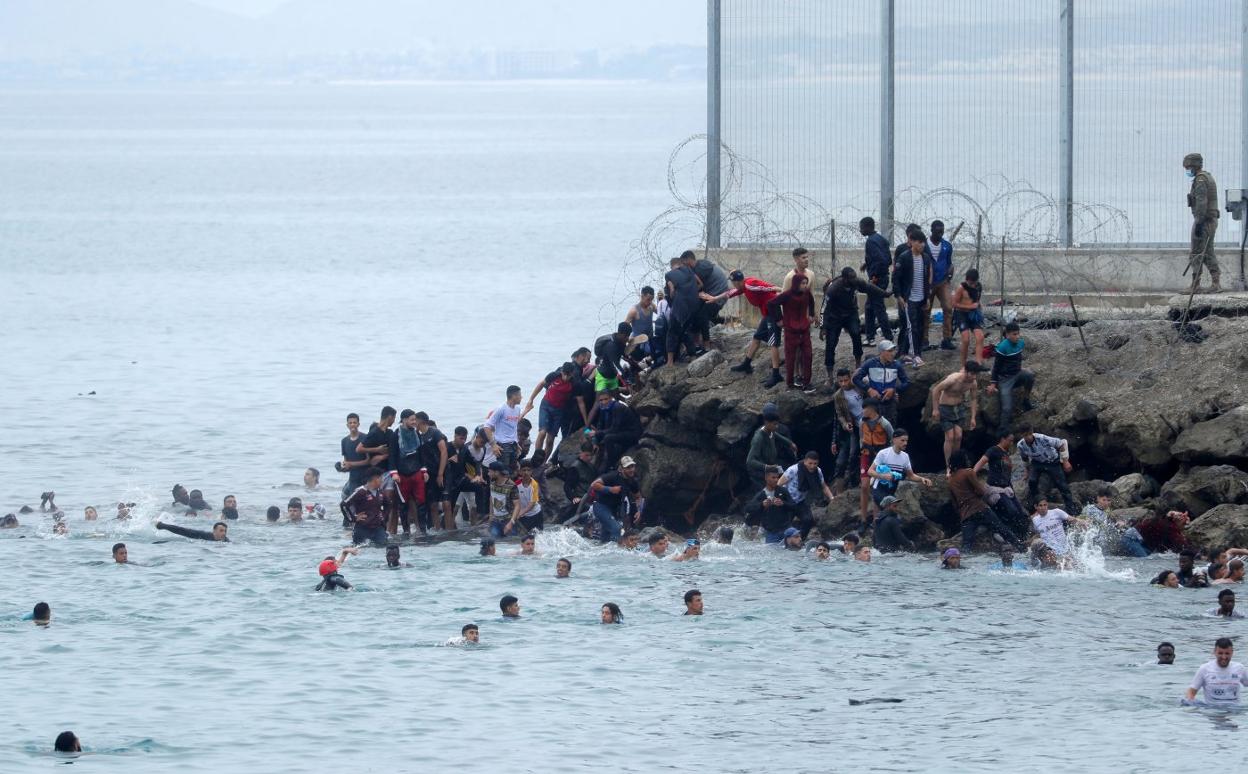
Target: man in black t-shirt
x=610, y=493
x=354, y=462
x=1000, y=483
x=434, y=456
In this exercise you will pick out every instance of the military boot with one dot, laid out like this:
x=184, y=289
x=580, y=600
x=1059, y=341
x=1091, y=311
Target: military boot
x=1215, y=276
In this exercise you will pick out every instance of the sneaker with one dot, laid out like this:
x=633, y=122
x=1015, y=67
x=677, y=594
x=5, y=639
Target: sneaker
x=810, y=389
x=917, y=362
x=1027, y=405
x=773, y=380
x=794, y=386
x=868, y=341
x=948, y=344
x=699, y=352
x=996, y=538
x=744, y=367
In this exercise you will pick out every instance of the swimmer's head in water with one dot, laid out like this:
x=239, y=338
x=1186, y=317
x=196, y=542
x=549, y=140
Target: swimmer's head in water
x=658, y=543
x=863, y=554
x=230, y=501
x=849, y=542
x=327, y=567
x=510, y=606
x=951, y=559
x=273, y=513
x=693, y=602
x=9, y=521
x=60, y=528
x=229, y=512
x=294, y=509
x=527, y=544
x=629, y=539
x=196, y=500
x=67, y=742
x=563, y=568
x=90, y=514
x=1226, y=602
x=822, y=550
x=724, y=535
x=121, y=554
x=611, y=613
x=180, y=495
x=471, y=633
x=793, y=538
x=1007, y=556
x=487, y=547
x=42, y=613
x=123, y=510
x=219, y=530
x=392, y=555
x=311, y=477
x=1165, y=653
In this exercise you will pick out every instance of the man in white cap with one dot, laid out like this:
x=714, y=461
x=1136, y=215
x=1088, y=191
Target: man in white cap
x=611, y=491
x=883, y=378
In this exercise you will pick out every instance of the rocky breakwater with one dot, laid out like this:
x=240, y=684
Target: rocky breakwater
x=1138, y=405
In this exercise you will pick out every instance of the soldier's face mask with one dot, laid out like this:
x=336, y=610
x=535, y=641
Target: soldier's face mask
x=1191, y=173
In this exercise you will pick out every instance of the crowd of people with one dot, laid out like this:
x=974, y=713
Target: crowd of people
x=407, y=478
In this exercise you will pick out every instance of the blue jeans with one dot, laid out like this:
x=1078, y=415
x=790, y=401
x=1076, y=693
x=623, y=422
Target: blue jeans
x=605, y=515
x=1005, y=388
x=1132, y=545
x=498, y=527
x=362, y=534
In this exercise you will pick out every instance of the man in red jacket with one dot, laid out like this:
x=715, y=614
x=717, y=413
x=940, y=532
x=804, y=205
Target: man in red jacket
x=796, y=307
x=760, y=294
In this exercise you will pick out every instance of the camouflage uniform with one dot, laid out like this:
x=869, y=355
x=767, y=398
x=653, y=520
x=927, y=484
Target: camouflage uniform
x=1203, y=200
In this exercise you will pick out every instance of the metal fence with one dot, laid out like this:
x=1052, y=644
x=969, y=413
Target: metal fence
x=1060, y=122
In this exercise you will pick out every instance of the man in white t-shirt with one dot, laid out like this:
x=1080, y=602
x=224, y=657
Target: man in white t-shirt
x=1050, y=524
x=500, y=428
x=1220, y=678
x=891, y=465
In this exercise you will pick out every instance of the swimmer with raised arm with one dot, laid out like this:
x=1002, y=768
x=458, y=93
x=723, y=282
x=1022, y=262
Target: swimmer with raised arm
x=330, y=577
x=218, y=533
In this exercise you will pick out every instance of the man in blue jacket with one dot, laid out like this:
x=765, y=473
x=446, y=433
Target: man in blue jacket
x=942, y=274
x=876, y=265
x=883, y=378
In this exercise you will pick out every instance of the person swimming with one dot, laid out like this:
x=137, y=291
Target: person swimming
x=90, y=513
x=528, y=545
x=563, y=568
x=392, y=557
x=67, y=742
x=218, y=534
x=822, y=550
x=724, y=535
x=9, y=521
x=195, y=501
x=611, y=613
x=42, y=614
x=951, y=559
x=1165, y=654
x=121, y=555
x=510, y=606
x=863, y=554
x=488, y=547
x=330, y=577
x=692, y=550
x=792, y=539
x=273, y=514
x=693, y=602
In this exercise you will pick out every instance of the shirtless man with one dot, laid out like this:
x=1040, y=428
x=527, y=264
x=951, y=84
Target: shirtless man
x=949, y=405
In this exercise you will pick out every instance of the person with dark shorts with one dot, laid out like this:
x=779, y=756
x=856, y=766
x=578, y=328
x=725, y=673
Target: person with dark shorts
x=367, y=509
x=561, y=397
x=968, y=316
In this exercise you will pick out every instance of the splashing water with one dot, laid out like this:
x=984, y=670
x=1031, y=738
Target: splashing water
x=1089, y=559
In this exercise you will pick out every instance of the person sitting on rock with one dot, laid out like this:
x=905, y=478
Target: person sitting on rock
x=889, y=536
x=967, y=493
x=1008, y=373
x=1046, y=457
x=771, y=508
x=764, y=446
x=616, y=428
x=1001, y=494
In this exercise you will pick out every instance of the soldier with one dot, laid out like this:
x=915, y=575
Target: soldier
x=1203, y=200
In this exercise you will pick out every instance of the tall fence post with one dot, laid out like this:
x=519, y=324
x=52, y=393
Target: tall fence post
x=831, y=250
x=1065, y=214
x=713, y=84
x=1243, y=130
x=887, y=133
x=979, y=235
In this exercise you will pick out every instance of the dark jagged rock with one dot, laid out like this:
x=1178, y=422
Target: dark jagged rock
x=1223, y=526
x=1122, y=404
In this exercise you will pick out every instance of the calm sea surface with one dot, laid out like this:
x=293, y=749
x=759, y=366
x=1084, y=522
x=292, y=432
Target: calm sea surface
x=230, y=271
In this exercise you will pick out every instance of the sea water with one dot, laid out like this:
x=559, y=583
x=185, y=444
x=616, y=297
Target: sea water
x=199, y=284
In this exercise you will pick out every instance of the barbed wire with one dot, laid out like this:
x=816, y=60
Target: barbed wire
x=1007, y=228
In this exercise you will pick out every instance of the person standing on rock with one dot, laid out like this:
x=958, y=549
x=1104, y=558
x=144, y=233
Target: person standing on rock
x=1008, y=373
x=942, y=277
x=875, y=434
x=759, y=294
x=764, y=447
x=883, y=378
x=847, y=401
x=949, y=399
x=1046, y=457
x=683, y=290
x=840, y=313
x=801, y=268
x=796, y=309
x=641, y=317
x=714, y=283
x=1203, y=201
x=876, y=263
x=912, y=278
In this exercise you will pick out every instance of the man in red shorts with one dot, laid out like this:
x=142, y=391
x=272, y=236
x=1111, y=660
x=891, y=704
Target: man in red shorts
x=406, y=490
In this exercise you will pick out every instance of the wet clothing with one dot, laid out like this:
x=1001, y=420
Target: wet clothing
x=1052, y=529
x=355, y=476
x=1221, y=686
x=773, y=519
x=186, y=532
x=333, y=581
x=967, y=493
x=366, y=507
x=888, y=535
